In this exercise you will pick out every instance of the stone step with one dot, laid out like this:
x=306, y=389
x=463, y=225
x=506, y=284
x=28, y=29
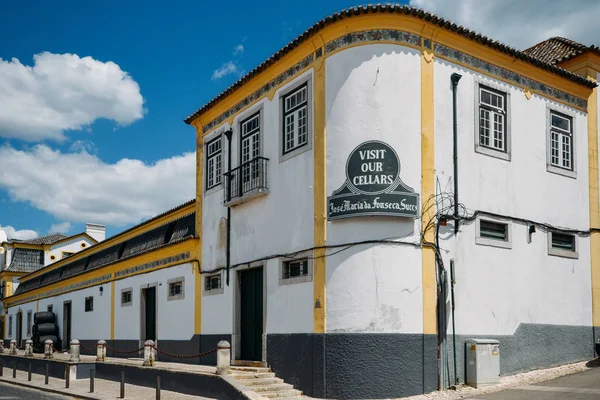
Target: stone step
x=250, y=369
x=259, y=381
x=278, y=394
x=251, y=375
x=280, y=387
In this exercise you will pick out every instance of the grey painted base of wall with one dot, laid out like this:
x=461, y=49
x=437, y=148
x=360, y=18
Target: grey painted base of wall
x=355, y=365
x=533, y=346
x=196, y=345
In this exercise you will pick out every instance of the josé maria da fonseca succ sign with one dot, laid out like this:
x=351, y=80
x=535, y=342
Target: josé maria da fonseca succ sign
x=373, y=186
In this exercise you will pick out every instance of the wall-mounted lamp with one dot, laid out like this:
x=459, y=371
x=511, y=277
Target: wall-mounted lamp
x=101, y=290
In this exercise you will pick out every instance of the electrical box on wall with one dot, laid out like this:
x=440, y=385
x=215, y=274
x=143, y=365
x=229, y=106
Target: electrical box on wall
x=483, y=362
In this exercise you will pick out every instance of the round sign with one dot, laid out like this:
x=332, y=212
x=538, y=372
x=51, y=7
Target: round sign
x=373, y=168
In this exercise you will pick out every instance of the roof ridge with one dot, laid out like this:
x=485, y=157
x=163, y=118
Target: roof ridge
x=389, y=8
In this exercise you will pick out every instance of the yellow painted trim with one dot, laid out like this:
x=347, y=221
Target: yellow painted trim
x=27, y=246
x=198, y=298
x=114, y=240
x=405, y=23
x=37, y=306
x=112, y=310
x=580, y=64
x=189, y=245
x=320, y=199
x=594, y=193
x=428, y=190
x=199, y=198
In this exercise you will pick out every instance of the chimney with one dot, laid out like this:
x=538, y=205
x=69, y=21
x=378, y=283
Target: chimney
x=96, y=231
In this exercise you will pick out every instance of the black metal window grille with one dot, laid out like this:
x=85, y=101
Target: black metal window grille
x=212, y=282
x=493, y=230
x=29, y=321
x=492, y=118
x=213, y=163
x=563, y=241
x=561, y=141
x=237, y=186
x=292, y=269
x=89, y=304
x=295, y=119
x=175, y=288
x=10, y=325
x=126, y=297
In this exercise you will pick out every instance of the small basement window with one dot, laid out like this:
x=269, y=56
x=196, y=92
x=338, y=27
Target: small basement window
x=50, y=308
x=89, y=304
x=29, y=322
x=66, y=254
x=126, y=297
x=493, y=233
x=176, y=287
x=213, y=284
x=10, y=325
x=562, y=244
x=295, y=271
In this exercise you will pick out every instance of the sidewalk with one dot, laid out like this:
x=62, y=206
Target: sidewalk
x=104, y=390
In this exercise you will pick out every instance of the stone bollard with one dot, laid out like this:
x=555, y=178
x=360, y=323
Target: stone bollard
x=75, y=350
x=13, y=347
x=101, y=350
x=29, y=348
x=148, y=353
x=223, y=358
x=1, y=346
x=48, y=350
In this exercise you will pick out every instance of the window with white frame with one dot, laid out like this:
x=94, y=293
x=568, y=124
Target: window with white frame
x=295, y=119
x=126, y=297
x=250, y=150
x=214, y=162
x=29, y=322
x=176, y=289
x=296, y=270
x=492, y=119
x=494, y=233
x=561, y=141
x=562, y=244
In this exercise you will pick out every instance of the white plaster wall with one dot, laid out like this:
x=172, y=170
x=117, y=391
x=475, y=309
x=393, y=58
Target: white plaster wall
x=24, y=308
x=175, y=318
x=73, y=245
x=92, y=325
x=373, y=92
x=497, y=289
x=289, y=306
x=280, y=222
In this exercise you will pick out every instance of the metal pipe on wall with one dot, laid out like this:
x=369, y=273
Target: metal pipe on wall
x=228, y=135
x=454, y=79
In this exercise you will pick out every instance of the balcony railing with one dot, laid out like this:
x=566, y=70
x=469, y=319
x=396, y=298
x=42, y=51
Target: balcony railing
x=247, y=179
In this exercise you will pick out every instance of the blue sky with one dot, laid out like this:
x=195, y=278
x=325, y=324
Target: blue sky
x=93, y=94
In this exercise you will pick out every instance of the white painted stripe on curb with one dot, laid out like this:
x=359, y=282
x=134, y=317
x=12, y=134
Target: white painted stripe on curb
x=558, y=389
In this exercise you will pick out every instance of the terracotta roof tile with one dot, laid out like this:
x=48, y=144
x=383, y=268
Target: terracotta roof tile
x=48, y=239
x=558, y=49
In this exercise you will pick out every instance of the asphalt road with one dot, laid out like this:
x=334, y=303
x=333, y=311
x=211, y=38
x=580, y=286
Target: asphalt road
x=581, y=386
x=13, y=392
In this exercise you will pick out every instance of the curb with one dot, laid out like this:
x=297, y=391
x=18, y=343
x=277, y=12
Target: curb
x=47, y=390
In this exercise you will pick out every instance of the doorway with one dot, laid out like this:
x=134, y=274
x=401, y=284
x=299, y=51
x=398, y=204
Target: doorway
x=19, y=333
x=67, y=324
x=148, y=317
x=251, y=314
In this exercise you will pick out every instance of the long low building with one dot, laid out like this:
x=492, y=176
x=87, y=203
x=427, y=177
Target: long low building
x=384, y=188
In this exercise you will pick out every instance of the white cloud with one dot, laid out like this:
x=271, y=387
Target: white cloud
x=79, y=187
x=62, y=227
x=522, y=24
x=239, y=49
x=23, y=234
x=62, y=92
x=83, y=145
x=227, y=68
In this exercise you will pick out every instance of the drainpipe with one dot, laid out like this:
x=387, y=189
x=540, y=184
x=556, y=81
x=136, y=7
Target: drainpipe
x=454, y=79
x=228, y=135
x=452, y=281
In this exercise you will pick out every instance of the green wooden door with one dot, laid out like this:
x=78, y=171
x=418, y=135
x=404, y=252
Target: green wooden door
x=150, y=295
x=251, y=314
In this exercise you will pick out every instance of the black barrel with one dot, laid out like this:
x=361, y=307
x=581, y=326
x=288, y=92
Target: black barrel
x=44, y=317
x=47, y=329
x=34, y=330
